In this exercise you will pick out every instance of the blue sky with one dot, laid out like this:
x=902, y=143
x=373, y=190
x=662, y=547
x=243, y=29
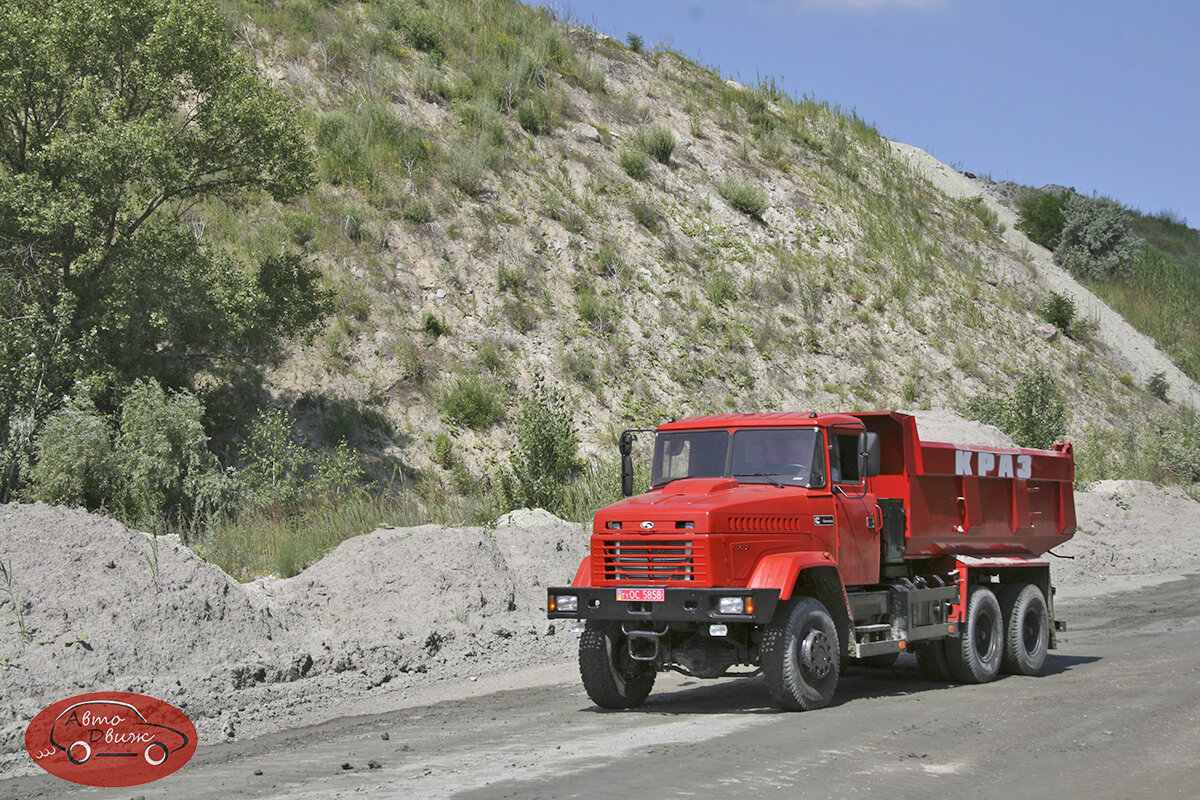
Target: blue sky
x=1101, y=95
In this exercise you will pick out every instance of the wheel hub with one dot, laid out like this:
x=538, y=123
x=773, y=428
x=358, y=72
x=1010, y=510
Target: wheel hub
x=816, y=654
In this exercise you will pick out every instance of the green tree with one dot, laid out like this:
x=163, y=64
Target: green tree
x=1034, y=413
x=1097, y=241
x=116, y=117
x=547, y=453
x=168, y=472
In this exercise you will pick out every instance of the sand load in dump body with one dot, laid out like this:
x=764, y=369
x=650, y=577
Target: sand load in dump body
x=973, y=500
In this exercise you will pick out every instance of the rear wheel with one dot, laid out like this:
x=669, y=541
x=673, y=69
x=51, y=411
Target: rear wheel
x=1026, y=629
x=801, y=655
x=975, y=657
x=612, y=679
x=155, y=754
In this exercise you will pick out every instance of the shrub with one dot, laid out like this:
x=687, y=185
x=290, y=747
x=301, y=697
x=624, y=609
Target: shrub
x=987, y=216
x=744, y=196
x=721, y=289
x=434, y=325
x=635, y=163
x=546, y=455
x=418, y=211
x=1163, y=449
x=273, y=461
x=1041, y=217
x=1097, y=242
x=76, y=462
x=471, y=402
x=342, y=150
x=443, y=450
x=514, y=279
x=418, y=25
x=1059, y=311
x=334, y=473
x=635, y=41
x=657, y=142
x=168, y=474
x=646, y=216
x=1034, y=413
x=1158, y=385
x=598, y=313
x=534, y=115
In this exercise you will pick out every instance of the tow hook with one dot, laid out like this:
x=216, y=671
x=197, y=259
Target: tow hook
x=643, y=645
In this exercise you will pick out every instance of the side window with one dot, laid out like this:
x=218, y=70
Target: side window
x=845, y=453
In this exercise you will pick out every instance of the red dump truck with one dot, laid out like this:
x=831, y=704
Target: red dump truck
x=797, y=544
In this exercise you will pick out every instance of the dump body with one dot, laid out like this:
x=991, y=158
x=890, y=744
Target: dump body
x=963, y=499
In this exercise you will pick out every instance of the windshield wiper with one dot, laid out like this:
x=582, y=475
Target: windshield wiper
x=768, y=475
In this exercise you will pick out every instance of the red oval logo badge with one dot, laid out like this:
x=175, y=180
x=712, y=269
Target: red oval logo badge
x=111, y=739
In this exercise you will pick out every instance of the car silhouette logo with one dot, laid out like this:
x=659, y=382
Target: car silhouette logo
x=110, y=739
x=113, y=729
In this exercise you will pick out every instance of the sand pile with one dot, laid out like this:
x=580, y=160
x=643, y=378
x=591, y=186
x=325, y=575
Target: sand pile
x=1130, y=534
x=385, y=613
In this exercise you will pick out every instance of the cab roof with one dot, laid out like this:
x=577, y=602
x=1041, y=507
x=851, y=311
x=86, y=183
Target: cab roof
x=777, y=419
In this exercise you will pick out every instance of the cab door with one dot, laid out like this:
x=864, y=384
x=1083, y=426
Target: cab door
x=854, y=504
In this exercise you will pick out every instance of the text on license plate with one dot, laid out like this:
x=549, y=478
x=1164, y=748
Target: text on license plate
x=641, y=595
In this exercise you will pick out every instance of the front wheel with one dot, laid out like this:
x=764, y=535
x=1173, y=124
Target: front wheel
x=801, y=655
x=612, y=679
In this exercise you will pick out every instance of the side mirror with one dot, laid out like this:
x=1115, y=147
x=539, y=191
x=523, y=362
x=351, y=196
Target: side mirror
x=625, y=446
x=869, y=456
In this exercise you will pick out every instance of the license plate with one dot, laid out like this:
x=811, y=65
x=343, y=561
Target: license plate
x=641, y=595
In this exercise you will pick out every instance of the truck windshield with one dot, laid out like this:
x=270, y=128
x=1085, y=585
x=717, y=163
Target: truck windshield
x=781, y=456
x=689, y=454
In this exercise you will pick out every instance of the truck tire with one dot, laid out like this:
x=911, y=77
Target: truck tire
x=1026, y=629
x=976, y=655
x=801, y=655
x=931, y=659
x=612, y=679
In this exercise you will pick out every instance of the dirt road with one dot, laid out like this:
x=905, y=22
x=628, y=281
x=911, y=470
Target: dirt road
x=1115, y=716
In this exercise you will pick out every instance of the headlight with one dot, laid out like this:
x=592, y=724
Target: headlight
x=731, y=605
x=566, y=602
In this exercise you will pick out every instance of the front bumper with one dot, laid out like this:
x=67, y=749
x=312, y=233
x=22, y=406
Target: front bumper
x=677, y=605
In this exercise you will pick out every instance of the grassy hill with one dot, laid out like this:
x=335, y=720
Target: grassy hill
x=1161, y=295
x=504, y=197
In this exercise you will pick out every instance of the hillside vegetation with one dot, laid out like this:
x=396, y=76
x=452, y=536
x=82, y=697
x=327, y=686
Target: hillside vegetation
x=527, y=232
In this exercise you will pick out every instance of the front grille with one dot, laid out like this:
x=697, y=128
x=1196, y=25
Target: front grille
x=651, y=560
